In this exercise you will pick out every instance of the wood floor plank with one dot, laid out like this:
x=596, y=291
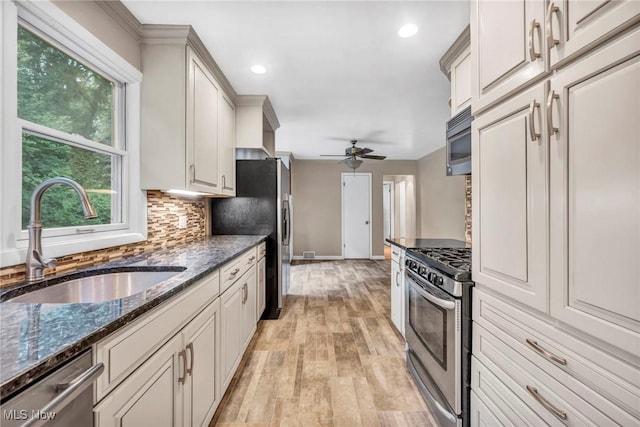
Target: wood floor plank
x=332, y=359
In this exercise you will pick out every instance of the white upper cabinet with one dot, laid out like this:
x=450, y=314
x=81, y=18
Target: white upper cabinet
x=507, y=48
x=456, y=65
x=510, y=157
x=202, y=127
x=256, y=124
x=187, y=116
x=576, y=25
x=595, y=194
x=227, y=146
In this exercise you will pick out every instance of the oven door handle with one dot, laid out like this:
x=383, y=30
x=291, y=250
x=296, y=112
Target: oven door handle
x=446, y=304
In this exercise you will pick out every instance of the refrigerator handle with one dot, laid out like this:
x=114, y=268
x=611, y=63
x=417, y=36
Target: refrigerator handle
x=285, y=223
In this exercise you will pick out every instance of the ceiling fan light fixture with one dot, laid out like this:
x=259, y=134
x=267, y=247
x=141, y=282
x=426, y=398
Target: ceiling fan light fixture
x=352, y=163
x=408, y=30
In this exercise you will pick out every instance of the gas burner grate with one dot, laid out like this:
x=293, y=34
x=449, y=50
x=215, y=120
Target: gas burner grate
x=456, y=262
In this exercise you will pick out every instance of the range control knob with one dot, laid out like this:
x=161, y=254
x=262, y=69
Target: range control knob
x=439, y=280
x=407, y=262
x=430, y=277
x=413, y=265
x=422, y=270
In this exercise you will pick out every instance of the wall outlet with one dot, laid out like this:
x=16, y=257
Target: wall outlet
x=182, y=221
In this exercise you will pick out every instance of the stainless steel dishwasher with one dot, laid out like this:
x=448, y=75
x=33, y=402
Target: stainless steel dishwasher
x=62, y=398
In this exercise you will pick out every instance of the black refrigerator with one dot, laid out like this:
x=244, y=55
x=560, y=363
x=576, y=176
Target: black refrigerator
x=261, y=206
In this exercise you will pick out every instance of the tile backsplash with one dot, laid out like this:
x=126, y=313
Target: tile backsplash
x=163, y=211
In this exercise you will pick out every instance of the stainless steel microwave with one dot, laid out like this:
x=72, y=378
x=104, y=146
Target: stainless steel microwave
x=459, y=143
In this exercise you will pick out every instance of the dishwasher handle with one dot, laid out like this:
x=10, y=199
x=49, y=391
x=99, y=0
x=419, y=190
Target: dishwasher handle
x=71, y=391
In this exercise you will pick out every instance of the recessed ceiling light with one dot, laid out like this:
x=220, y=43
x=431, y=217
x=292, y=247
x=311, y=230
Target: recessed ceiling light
x=408, y=30
x=258, y=69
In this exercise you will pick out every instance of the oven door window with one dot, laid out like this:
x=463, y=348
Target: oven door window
x=429, y=322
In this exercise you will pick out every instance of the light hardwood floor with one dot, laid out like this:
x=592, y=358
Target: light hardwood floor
x=332, y=359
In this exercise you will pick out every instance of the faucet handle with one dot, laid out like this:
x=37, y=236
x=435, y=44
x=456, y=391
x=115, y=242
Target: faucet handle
x=45, y=262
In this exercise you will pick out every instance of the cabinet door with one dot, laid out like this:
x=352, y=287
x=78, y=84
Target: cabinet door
x=461, y=83
x=577, y=25
x=249, y=282
x=227, y=146
x=201, y=341
x=262, y=284
x=202, y=127
x=510, y=192
x=148, y=397
x=396, y=296
x=507, y=48
x=595, y=195
x=231, y=315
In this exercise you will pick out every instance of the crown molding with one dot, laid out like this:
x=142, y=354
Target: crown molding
x=462, y=42
x=122, y=16
x=186, y=35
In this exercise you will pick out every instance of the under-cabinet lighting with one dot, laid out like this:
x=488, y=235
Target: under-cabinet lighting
x=408, y=30
x=186, y=193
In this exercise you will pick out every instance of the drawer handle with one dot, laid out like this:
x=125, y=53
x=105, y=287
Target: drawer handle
x=532, y=47
x=234, y=272
x=551, y=41
x=544, y=402
x=190, y=368
x=251, y=259
x=395, y=253
x=537, y=347
x=183, y=355
x=397, y=280
x=553, y=96
x=532, y=127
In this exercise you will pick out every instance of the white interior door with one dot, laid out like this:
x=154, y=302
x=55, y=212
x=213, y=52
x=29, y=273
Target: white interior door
x=402, y=196
x=356, y=215
x=387, y=209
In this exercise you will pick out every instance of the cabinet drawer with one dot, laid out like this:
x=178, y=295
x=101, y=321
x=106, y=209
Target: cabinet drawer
x=493, y=395
x=602, y=374
x=234, y=269
x=262, y=250
x=396, y=253
x=558, y=399
x=122, y=352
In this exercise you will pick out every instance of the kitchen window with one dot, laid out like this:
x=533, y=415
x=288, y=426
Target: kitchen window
x=75, y=105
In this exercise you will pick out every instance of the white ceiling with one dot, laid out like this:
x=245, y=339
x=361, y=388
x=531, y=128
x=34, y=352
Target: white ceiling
x=335, y=69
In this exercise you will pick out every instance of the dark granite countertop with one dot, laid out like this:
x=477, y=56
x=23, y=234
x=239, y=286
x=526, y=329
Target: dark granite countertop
x=36, y=338
x=419, y=242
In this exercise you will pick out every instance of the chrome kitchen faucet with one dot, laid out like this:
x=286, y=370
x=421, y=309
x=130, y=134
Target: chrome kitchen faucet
x=35, y=263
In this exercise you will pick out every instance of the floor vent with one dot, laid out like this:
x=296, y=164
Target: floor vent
x=308, y=254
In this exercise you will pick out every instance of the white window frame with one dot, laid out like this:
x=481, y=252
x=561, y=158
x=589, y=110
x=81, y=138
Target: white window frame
x=66, y=33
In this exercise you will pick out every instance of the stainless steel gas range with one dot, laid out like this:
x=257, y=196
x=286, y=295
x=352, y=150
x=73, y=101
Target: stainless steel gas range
x=438, y=329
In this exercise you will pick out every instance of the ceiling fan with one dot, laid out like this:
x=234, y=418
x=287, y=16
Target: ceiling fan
x=352, y=153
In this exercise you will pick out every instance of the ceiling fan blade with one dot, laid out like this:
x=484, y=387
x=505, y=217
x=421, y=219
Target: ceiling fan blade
x=332, y=155
x=366, y=156
x=366, y=151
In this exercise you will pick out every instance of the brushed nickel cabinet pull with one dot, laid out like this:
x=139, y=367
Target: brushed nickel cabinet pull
x=532, y=48
x=397, y=280
x=183, y=355
x=537, y=347
x=552, y=96
x=548, y=405
x=190, y=368
x=253, y=257
x=234, y=272
x=532, y=125
x=192, y=170
x=551, y=41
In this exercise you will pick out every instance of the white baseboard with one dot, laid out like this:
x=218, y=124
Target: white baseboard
x=330, y=258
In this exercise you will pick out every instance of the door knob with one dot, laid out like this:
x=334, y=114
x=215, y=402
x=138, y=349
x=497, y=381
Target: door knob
x=366, y=222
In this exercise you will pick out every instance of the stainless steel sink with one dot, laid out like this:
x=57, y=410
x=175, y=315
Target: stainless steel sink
x=99, y=288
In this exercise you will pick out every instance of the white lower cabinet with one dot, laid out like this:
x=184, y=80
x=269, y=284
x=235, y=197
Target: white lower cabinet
x=397, y=288
x=238, y=306
x=262, y=287
x=176, y=386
